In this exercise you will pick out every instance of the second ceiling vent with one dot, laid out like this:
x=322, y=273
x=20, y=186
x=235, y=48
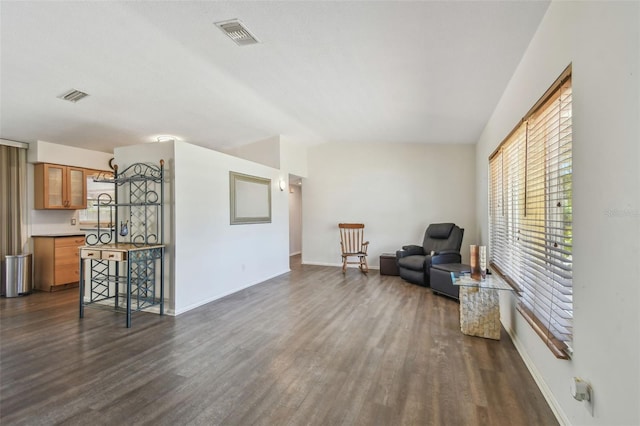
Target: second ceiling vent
x=237, y=32
x=73, y=95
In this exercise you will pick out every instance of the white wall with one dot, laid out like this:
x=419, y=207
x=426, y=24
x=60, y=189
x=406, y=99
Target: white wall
x=293, y=156
x=212, y=257
x=295, y=219
x=47, y=152
x=265, y=151
x=602, y=40
x=396, y=190
x=207, y=258
x=280, y=152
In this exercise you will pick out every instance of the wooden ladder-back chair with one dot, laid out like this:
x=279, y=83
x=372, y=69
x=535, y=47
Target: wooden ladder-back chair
x=353, y=245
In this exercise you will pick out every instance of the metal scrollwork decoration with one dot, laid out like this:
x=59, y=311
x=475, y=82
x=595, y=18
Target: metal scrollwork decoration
x=141, y=184
x=104, y=232
x=139, y=219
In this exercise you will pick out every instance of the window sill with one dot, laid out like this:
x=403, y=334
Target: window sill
x=558, y=348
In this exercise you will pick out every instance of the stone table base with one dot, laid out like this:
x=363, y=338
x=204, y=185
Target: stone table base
x=480, y=312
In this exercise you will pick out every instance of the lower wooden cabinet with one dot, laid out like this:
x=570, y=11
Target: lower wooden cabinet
x=56, y=261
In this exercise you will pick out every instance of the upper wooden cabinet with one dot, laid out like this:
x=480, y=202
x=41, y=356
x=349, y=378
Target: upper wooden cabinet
x=59, y=187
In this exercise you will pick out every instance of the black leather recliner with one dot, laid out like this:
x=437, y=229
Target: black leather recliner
x=442, y=242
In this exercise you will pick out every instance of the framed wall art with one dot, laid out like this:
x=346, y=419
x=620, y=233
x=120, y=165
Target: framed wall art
x=250, y=198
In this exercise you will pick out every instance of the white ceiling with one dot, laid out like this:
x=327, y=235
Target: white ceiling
x=425, y=72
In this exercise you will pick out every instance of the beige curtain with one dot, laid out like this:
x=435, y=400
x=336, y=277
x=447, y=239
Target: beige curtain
x=13, y=197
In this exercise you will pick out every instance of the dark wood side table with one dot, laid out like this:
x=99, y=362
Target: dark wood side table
x=388, y=264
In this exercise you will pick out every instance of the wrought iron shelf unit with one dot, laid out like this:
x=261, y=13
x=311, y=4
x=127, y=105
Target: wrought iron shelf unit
x=126, y=264
x=125, y=204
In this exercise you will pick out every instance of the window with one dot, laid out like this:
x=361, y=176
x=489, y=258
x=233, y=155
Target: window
x=530, y=215
x=106, y=192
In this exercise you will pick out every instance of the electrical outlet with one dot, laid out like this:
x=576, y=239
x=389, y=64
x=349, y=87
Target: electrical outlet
x=581, y=390
x=73, y=221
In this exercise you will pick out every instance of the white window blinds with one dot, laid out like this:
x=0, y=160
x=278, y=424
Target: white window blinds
x=531, y=215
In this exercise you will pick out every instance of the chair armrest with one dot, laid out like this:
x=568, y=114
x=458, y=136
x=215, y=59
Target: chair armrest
x=409, y=250
x=364, y=247
x=446, y=256
x=448, y=252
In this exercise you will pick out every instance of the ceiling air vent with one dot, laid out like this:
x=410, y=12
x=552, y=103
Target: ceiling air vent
x=237, y=32
x=73, y=95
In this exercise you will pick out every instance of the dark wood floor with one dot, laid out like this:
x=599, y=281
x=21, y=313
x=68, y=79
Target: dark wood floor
x=312, y=347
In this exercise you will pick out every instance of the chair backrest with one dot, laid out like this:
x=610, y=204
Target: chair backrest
x=351, y=237
x=442, y=236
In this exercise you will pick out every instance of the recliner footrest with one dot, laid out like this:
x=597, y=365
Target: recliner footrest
x=441, y=278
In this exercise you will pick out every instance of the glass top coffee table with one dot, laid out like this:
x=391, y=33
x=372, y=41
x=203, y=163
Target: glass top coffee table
x=480, y=305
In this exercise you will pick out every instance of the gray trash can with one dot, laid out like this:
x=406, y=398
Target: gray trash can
x=16, y=276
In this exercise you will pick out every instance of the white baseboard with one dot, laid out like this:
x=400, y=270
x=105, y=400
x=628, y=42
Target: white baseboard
x=542, y=385
x=338, y=265
x=321, y=264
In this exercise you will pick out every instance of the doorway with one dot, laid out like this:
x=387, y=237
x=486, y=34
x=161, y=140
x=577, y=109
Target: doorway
x=295, y=216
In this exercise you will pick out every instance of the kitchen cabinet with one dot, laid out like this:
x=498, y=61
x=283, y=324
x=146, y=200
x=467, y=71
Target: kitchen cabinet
x=59, y=187
x=56, y=262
